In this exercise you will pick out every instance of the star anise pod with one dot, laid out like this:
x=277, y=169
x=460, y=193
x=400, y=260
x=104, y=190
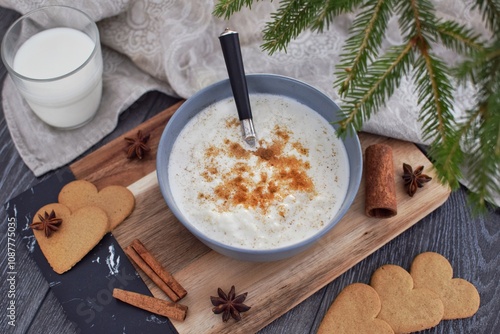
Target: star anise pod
x=49, y=223
x=138, y=146
x=229, y=305
x=414, y=179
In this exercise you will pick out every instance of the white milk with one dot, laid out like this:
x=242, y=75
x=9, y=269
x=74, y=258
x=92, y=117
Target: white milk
x=68, y=101
x=283, y=191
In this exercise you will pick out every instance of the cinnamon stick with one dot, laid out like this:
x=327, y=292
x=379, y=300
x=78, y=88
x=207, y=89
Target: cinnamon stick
x=158, y=306
x=158, y=268
x=132, y=254
x=380, y=185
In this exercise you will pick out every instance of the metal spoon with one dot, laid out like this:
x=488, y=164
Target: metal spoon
x=230, y=45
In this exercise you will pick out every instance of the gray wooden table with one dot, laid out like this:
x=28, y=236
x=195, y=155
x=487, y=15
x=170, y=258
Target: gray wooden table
x=471, y=243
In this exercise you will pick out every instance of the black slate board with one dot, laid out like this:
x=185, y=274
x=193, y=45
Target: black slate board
x=85, y=292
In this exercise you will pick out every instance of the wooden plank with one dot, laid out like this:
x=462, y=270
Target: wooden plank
x=52, y=318
x=274, y=288
x=109, y=165
x=470, y=242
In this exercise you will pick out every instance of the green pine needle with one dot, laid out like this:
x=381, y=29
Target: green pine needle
x=366, y=77
x=459, y=38
x=371, y=91
x=490, y=10
x=366, y=35
x=484, y=161
x=328, y=10
x=226, y=8
x=292, y=17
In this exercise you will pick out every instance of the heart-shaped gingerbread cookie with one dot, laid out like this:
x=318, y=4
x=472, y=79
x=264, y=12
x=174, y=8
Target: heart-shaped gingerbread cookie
x=405, y=308
x=354, y=311
x=78, y=233
x=117, y=201
x=433, y=271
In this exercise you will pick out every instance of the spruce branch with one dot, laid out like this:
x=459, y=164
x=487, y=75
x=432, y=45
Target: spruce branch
x=416, y=18
x=490, y=10
x=482, y=129
x=366, y=77
x=330, y=10
x=295, y=16
x=434, y=93
x=366, y=35
x=226, y=8
x=474, y=69
x=372, y=90
x=434, y=97
x=292, y=17
x=485, y=154
x=458, y=38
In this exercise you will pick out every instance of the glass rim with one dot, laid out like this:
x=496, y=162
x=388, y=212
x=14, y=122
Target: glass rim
x=11, y=70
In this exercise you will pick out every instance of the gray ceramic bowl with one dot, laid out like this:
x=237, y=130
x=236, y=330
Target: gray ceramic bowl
x=267, y=84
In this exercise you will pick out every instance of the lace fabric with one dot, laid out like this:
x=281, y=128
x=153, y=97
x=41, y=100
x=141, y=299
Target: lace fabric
x=173, y=46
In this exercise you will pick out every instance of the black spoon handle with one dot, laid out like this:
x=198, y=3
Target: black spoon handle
x=230, y=44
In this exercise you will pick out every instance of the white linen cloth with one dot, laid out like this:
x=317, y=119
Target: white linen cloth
x=172, y=46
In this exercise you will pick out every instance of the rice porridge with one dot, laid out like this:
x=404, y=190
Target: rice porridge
x=280, y=192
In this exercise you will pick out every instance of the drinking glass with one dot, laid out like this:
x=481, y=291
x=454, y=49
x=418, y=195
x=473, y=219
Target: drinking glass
x=56, y=68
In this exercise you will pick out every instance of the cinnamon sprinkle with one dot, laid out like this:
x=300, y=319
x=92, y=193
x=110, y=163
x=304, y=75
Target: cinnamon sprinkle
x=281, y=175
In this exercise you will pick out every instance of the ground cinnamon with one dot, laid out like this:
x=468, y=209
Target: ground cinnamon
x=158, y=268
x=168, y=309
x=132, y=254
x=380, y=186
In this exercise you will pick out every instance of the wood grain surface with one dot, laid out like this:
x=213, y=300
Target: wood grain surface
x=274, y=288
x=470, y=242
x=109, y=164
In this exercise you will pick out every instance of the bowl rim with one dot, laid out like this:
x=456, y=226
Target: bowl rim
x=168, y=196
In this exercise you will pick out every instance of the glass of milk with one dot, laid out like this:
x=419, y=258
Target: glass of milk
x=53, y=55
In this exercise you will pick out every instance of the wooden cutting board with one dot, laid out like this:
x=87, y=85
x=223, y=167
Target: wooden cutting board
x=273, y=288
